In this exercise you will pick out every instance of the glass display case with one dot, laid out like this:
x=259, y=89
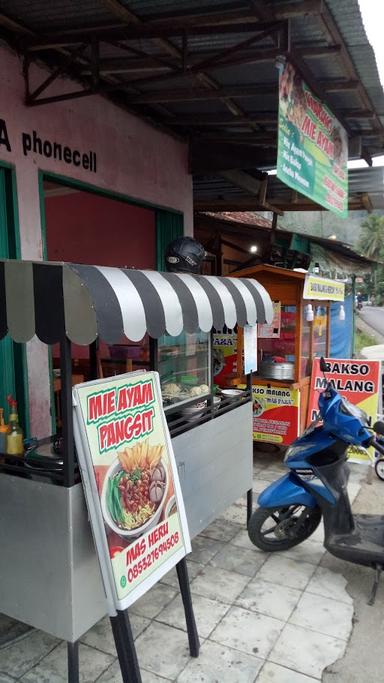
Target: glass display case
x=184, y=366
x=277, y=354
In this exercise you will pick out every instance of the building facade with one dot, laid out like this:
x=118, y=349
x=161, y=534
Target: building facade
x=80, y=180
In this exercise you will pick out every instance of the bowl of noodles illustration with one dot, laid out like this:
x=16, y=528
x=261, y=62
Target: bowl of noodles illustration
x=134, y=490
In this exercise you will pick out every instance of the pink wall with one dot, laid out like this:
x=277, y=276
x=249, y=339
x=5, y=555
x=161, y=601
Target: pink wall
x=132, y=158
x=86, y=228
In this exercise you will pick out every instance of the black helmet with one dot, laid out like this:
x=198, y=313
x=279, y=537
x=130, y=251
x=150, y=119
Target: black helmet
x=184, y=255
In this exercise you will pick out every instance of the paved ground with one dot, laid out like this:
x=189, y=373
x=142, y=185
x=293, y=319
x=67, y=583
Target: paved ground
x=373, y=316
x=364, y=657
x=270, y=619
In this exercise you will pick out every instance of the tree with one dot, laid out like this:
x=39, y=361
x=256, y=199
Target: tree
x=371, y=244
x=371, y=241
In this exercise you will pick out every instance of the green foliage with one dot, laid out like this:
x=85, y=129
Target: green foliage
x=371, y=244
x=371, y=241
x=363, y=339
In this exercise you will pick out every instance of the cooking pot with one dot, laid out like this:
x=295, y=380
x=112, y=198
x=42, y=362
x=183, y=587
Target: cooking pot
x=279, y=371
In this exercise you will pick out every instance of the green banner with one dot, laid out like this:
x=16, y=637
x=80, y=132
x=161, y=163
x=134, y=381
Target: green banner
x=312, y=146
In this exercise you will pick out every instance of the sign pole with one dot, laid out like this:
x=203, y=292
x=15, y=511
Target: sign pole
x=66, y=409
x=126, y=651
x=250, y=491
x=69, y=468
x=185, y=590
x=73, y=662
x=128, y=468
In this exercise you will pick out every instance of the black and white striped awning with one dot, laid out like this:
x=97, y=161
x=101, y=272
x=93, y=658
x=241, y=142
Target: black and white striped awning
x=85, y=302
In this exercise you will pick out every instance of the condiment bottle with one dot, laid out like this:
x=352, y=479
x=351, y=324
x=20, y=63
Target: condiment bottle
x=15, y=439
x=3, y=432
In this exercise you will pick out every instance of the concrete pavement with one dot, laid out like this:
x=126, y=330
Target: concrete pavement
x=364, y=656
x=279, y=618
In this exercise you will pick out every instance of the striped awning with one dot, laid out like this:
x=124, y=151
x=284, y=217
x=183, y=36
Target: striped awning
x=84, y=302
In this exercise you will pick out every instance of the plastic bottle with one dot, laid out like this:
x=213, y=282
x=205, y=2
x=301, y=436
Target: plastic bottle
x=3, y=432
x=15, y=439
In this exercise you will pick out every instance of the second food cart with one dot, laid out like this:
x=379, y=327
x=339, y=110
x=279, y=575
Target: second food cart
x=300, y=331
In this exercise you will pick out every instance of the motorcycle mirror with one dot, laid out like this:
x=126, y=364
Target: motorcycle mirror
x=323, y=364
x=378, y=427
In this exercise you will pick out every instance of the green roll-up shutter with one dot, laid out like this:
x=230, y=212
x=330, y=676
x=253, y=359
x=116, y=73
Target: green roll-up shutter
x=169, y=225
x=13, y=373
x=7, y=373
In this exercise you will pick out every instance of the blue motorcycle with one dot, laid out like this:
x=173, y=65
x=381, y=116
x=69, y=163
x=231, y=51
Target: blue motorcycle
x=315, y=487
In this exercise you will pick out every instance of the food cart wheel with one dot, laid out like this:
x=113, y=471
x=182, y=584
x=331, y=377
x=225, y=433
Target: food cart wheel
x=277, y=529
x=379, y=468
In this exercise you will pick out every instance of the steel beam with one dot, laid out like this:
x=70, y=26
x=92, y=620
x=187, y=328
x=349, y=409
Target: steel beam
x=170, y=48
x=251, y=203
x=239, y=91
x=146, y=31
x=208, y=158
x=244, y=181
x=153, y=63
x=199, y=94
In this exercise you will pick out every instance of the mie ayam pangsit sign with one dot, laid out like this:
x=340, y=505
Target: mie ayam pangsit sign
x=131, y=483
x=312, y=145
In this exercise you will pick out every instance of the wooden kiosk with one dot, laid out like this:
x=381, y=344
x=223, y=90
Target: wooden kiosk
x=300, y=332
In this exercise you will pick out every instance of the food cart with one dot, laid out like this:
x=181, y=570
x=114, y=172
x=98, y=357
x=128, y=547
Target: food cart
x=42, y=507
x=300, y=331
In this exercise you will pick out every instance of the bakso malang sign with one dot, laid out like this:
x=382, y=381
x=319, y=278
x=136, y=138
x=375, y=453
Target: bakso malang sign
x=131, y=483
x=356, y=380
x=312, y=145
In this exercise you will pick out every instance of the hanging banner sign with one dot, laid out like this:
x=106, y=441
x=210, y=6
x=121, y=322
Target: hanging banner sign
x=322, y=289
x=275, y=414
x=130, y=481
x=250, y=349
x=272, y=331
x=356, y=380
x=312, y=145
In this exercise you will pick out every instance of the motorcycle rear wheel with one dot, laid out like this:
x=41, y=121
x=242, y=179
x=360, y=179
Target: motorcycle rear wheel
x=286, y=526
x=379, y=468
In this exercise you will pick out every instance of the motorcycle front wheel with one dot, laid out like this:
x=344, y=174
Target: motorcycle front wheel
x=282, y=528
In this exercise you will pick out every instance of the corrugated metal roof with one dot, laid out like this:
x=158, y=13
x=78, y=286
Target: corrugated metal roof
x=261, y=226
x=41, y=16
x=244, y=217
x=163, y=7
x=361, y=181
x=348, y=18
x=160, y=59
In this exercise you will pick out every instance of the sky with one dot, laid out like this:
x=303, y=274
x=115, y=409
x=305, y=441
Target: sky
x=372, y=12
